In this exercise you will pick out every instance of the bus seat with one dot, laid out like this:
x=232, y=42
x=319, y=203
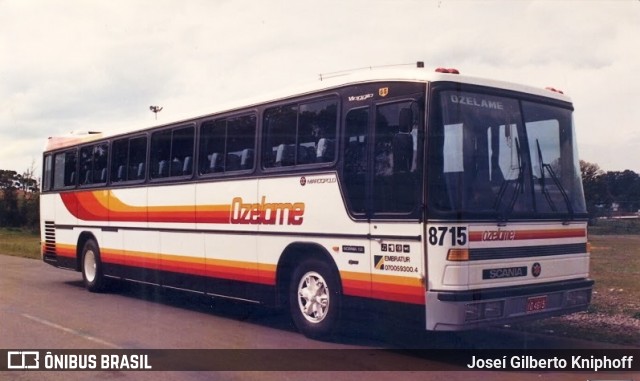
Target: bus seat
x=233, y=162
x=186, y=167
x=306, y=154
x=325, y=151
x=215, y=164
x=176, y=167
x=163, y=168
x=88, y=177
x=103, y=175
x=140, y=171
x=284, y=155
x=120, y=174
x=246, y=161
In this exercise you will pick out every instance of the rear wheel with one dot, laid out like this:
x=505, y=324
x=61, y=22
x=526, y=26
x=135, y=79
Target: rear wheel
x=92, y=274
x=315, y=299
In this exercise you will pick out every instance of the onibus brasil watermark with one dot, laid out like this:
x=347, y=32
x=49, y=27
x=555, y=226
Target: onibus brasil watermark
x=31, y=360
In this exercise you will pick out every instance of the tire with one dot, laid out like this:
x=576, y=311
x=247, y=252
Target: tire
x=92, y=272
x=315, y=299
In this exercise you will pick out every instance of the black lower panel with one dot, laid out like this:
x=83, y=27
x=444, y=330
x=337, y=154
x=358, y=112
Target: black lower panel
x=216, y=286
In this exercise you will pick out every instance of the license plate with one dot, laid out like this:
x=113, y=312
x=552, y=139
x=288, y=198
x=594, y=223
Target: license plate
x=537, y=303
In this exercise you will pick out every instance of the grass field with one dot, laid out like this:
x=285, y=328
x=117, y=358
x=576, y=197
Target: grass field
x=19, y=243
x=614, y=314
x=615, y=265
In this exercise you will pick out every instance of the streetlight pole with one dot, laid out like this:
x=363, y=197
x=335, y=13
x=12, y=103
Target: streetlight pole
x=155, y=110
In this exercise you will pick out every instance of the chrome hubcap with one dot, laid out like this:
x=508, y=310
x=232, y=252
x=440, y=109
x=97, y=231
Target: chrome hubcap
x=90, y=265
x=313, y=297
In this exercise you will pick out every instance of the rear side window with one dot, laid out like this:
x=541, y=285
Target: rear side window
x=47, y=172
x=65, y=169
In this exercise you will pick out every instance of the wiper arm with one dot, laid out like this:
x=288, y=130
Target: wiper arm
x=556, y=181
x=518, y=187
x=543, y=185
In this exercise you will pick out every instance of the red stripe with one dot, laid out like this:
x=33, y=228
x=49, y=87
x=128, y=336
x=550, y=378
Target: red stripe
x=478, y=236
x=86, y=206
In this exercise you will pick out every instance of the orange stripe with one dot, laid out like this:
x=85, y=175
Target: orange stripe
x=374, y=286
x=384, y=287
x=68, y=251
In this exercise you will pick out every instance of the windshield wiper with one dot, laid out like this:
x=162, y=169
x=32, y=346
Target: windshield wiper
x=543, y=185
x=505, y=184
x=556, y=181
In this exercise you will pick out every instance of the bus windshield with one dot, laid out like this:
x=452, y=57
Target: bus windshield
x=500, y=157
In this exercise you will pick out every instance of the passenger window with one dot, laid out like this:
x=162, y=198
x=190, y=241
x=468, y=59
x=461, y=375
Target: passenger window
x=129, y=158
x=93, y=164
x=65, y=169
x=280, y=135
x=300, y=134
x=227, y=145
x=172, y=153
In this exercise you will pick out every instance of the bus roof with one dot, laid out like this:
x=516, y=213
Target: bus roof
x=328, y=82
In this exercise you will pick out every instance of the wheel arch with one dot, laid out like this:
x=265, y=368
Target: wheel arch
x=294, y=254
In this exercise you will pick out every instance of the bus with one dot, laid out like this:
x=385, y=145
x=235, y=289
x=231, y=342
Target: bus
x=457, y=197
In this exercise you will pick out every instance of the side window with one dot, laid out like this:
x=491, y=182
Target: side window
x=300, y=134
x=137, y=158
x=65, y=169
x=280, y=134
x=355, y=158
x=227, y=145
x=395, y=158
x=47, y=172
x=129, y=159
x=172, y=153
x=241, y=139
x=93, y=164
x=317, y=131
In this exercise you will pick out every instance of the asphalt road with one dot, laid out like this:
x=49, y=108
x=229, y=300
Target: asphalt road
x=42, y=307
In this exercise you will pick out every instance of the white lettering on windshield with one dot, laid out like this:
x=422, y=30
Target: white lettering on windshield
x=473, y=101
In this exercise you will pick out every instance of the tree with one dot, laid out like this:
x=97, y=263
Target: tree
x=596, y=193
x=19, y=199
x=8, y=179
x=9, y=215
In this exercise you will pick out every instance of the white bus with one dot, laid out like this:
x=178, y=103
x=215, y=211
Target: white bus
x=457, y=196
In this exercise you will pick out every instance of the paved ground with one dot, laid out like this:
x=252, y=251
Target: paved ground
x=46, y=308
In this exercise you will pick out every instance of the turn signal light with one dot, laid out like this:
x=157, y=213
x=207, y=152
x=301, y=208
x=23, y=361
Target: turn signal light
x=458, y=255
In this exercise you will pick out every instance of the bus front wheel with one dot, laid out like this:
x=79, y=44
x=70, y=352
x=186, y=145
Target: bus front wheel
x=92, y=274
x=314, y=299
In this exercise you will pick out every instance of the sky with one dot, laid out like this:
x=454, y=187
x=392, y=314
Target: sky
x=98, y=65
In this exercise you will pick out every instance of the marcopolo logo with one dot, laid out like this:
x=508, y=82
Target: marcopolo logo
x=320, y=180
